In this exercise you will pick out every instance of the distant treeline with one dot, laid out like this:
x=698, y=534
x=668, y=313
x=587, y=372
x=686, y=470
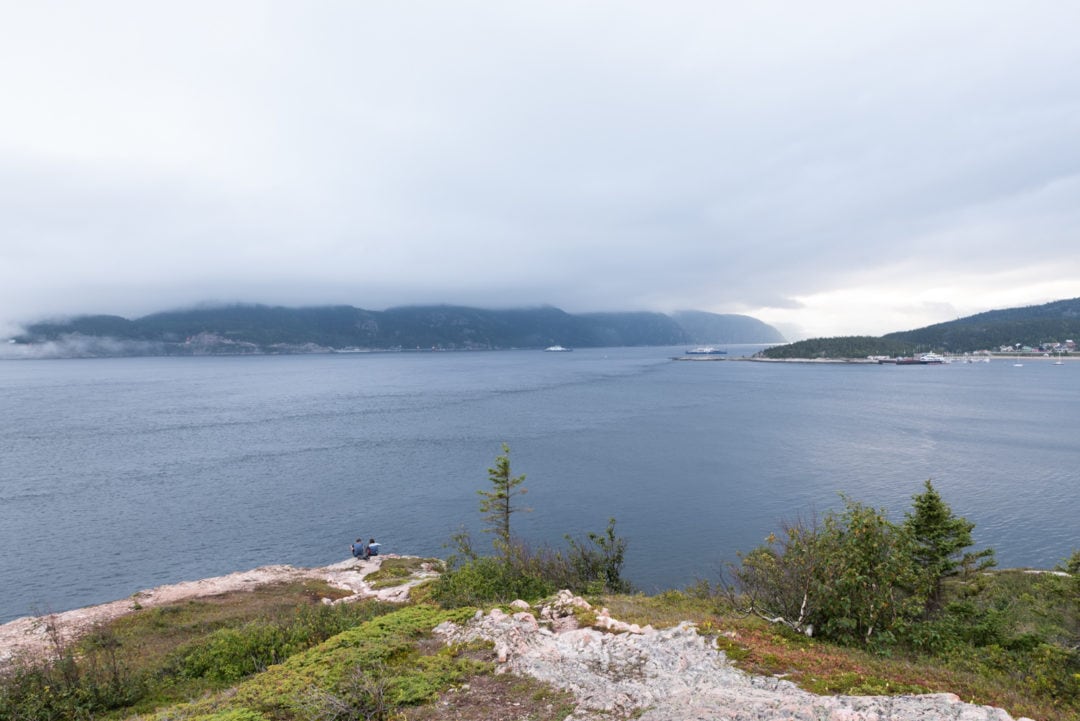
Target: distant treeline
x=855, y=346
x=1031, y=326
x=266, y=329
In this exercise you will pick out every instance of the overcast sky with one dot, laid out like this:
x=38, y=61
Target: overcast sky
x=829, y=167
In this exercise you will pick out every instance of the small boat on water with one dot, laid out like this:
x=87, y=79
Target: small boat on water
x=557, y=349
x=706, y=350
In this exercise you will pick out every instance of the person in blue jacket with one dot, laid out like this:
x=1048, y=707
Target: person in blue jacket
x=360, y=549
x=373, y=547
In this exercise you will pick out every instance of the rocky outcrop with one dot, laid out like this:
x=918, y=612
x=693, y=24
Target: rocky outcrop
x=32, y=636
x=675, y=673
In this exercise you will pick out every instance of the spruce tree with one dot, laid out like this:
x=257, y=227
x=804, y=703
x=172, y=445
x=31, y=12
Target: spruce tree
x=497, y=504
x=940, y=538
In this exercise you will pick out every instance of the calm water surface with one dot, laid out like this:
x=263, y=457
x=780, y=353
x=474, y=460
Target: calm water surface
x=122, y=474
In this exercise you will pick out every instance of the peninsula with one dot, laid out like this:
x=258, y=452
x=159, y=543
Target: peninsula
x=1051, y=328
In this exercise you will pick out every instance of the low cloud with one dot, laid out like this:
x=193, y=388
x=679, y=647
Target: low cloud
x=609, y=156
x=78, y=346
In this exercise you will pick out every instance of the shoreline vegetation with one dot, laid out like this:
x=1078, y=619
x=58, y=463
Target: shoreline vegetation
x=1035, y=357
x=340, y=582
x=200, y=630
x=1049, y=329
x=202, y=637
x=847, y=605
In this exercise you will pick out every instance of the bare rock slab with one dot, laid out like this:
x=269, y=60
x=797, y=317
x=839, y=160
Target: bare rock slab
x=674, y=673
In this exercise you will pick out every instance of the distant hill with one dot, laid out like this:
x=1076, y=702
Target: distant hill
x=1033, y=326
x=274, y=329
x=721, y=329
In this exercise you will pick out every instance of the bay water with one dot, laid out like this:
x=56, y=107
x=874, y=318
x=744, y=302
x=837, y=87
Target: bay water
x=122, y=474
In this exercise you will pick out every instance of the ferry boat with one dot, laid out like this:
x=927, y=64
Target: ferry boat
x=923, y=360
x=706, y=350
x=557, y=349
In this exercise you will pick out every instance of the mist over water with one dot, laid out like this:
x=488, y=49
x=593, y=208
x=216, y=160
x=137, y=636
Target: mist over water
x=121, y=474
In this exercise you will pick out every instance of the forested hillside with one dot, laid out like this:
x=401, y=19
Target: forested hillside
x=266, y=329
x=1032, y=326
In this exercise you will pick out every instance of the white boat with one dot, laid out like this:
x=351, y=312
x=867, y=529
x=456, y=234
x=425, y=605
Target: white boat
x=557, y=349
x=706, y=350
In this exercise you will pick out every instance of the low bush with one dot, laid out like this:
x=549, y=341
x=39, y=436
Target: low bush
x=598, y=561
x=851, y=579
x=230, y=654
x=371, y=671
x=590, y=566
x=119, y=666
x=486, y=580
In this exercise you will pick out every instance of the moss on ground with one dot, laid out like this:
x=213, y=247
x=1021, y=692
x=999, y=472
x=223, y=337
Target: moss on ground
x=383, y=649
x=396, y=571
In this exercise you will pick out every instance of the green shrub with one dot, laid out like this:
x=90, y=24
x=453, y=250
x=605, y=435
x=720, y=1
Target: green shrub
x=230, y=654
x=598, y=567
x=852, y=579
x=868, y=576
x=591, y=566
x=486, y=580
x=386, y=643
x=66, y=686
x=96, y=676
x=960, y=624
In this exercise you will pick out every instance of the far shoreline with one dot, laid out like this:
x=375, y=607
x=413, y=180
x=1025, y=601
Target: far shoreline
x=952, y=360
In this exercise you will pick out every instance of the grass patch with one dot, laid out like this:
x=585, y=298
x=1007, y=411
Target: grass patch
x=157, y=656
x=370, y=671
x=663, y=610
x=396, y=571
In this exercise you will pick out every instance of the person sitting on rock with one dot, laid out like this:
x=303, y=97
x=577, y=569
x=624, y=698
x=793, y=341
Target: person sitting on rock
x=373, y=547
x=360, y=549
